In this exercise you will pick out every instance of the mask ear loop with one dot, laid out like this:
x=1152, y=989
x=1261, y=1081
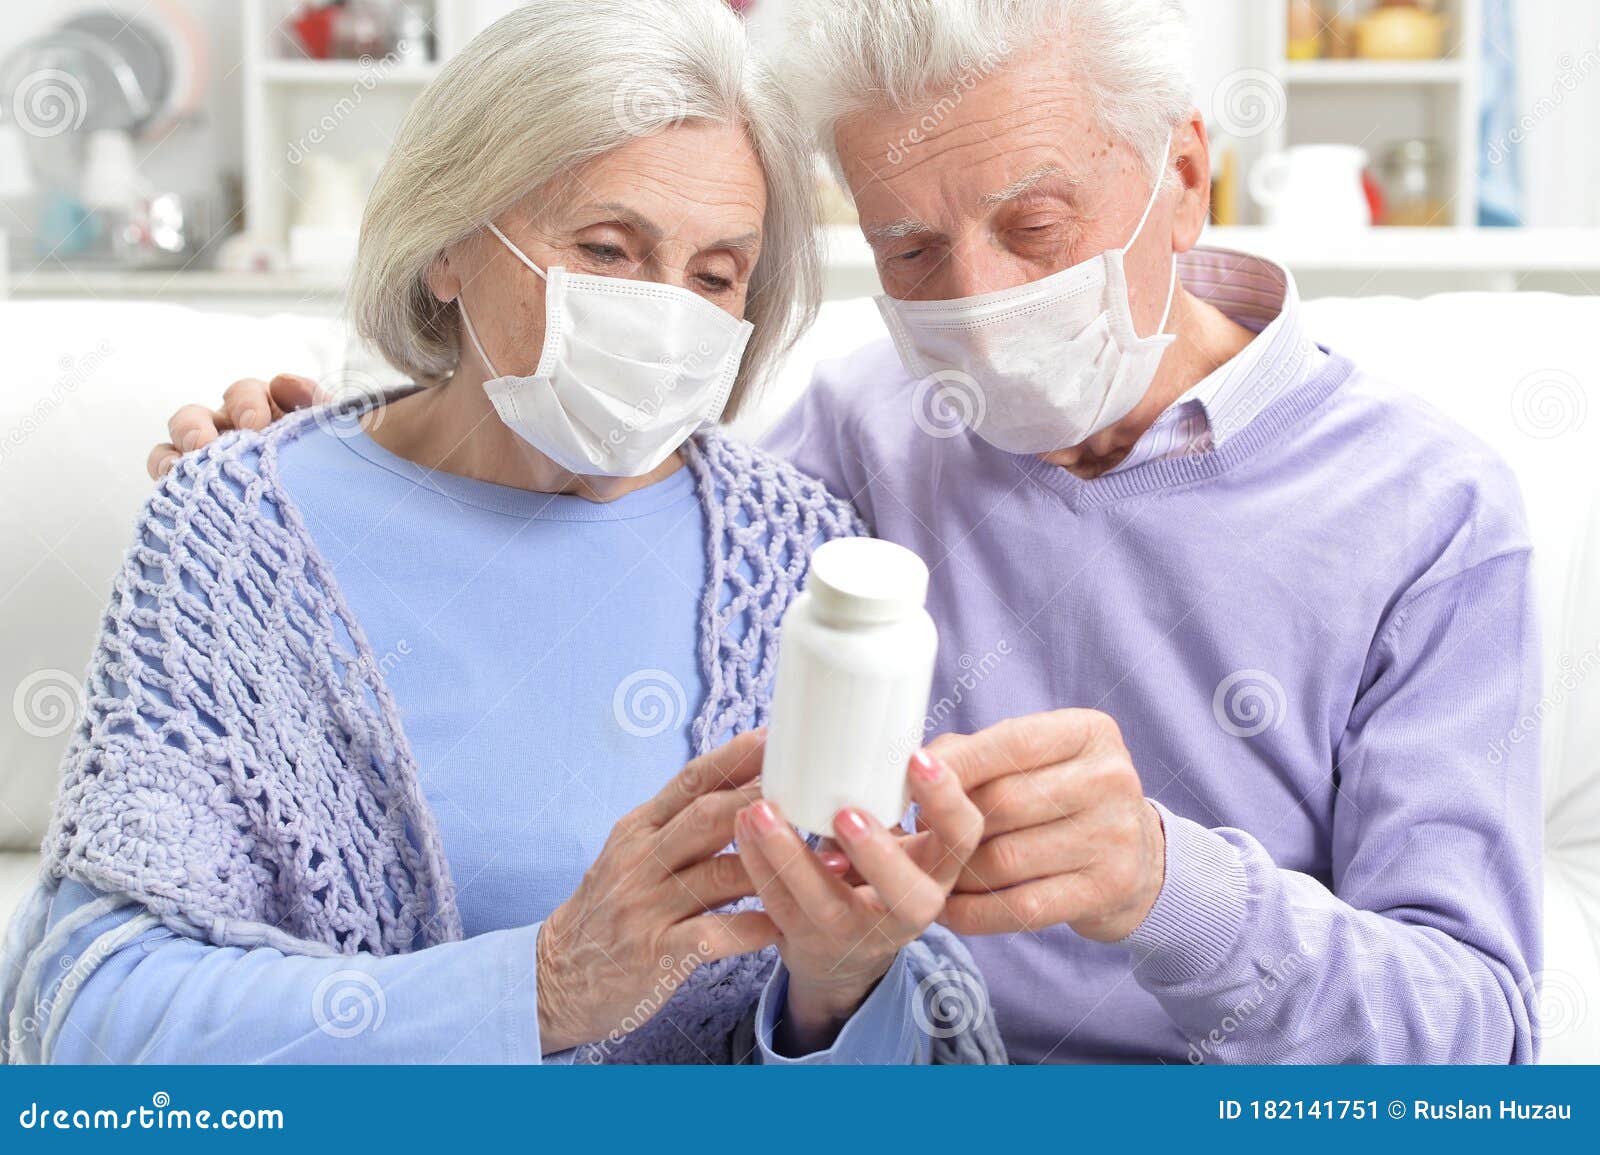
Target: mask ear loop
x=472, y=334
x=461, y=302
x=1149, y=206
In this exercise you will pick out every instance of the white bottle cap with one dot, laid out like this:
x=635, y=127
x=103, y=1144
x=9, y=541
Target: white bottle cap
x=861, y=580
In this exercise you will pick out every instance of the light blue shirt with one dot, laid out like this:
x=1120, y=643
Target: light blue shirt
x=542, y=650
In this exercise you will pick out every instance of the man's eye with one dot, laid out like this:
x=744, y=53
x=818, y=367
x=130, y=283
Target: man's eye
x=604, y=253
x=909, y=256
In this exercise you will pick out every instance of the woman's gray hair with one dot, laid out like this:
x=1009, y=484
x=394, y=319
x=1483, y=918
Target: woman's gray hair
x=849, y=56
x=542, y=90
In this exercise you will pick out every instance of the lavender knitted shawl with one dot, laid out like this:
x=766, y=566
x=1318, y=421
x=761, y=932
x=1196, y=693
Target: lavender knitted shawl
x=242, y=774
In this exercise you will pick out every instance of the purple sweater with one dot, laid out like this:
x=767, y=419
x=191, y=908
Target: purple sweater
x=1317, y=641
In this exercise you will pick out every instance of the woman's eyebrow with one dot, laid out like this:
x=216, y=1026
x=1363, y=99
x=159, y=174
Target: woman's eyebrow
x=636, y=221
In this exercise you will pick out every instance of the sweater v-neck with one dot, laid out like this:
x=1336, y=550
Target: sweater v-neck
x=1083, y=494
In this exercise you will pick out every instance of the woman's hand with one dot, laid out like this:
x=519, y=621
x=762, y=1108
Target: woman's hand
x=637, y=925
x=247, y=404
x=836, y=939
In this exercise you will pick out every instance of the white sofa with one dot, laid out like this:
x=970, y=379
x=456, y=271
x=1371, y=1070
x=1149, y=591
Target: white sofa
x=97, y=380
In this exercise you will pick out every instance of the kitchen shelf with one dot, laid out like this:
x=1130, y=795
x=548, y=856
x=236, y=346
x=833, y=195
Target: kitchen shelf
x=1466, y=250
x=345, y=72
x=1374, y=72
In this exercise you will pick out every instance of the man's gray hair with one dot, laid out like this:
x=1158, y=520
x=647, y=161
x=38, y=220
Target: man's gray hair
x=849, y=56
x=539, y=92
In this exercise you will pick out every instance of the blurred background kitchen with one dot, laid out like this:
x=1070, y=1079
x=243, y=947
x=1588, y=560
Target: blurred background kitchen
x=217, y=152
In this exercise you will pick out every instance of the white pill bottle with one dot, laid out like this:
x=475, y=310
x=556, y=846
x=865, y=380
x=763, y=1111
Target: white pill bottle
x=855, y=664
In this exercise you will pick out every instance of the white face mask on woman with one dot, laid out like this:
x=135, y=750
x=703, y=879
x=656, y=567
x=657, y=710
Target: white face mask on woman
x=629, y=370
x=1053, y=362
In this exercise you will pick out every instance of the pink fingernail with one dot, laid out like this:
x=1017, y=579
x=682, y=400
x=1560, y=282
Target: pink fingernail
x=852, y=827
x=924, y=767
x=834, y=861
x=764, y=817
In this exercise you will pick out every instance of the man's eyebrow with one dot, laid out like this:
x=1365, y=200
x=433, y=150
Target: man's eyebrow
x=899, y=230
x=1024, y=185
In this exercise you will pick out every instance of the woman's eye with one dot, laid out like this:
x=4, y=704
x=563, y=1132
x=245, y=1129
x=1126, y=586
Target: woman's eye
x=605, y=254
x=715, y=283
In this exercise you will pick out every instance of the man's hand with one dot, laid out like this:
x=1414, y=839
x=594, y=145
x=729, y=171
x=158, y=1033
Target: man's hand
x=1068, y=836
x=247, y=404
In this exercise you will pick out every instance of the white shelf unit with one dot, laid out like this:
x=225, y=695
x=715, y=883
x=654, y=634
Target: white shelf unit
x=1374, y=103
x=295, y=106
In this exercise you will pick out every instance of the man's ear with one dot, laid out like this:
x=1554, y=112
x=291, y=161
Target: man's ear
x=1192, y=161
x=442, y=279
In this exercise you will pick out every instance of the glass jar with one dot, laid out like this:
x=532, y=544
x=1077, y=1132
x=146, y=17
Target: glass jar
x=1412, y=172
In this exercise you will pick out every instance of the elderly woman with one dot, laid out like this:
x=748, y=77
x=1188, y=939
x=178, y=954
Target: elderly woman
x=382, y=748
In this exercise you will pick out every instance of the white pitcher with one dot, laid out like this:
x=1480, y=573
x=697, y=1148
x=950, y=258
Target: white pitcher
x=1313, y=187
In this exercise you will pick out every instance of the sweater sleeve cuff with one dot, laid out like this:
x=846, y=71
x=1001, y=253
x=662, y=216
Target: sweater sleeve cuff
x=882, y=1031
x=1201, y=908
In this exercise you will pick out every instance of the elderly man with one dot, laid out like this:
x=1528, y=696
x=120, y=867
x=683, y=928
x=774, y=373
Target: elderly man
x=1267, y=616
x=1288, y=605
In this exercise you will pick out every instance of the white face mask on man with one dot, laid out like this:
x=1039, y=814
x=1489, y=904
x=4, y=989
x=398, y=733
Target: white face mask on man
x=630, y=369
x=1053, y=362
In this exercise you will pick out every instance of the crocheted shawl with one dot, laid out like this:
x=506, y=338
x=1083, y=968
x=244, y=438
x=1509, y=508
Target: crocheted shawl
x=241, y=772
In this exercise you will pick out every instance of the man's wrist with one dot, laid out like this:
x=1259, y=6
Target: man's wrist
x=1200, y=909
